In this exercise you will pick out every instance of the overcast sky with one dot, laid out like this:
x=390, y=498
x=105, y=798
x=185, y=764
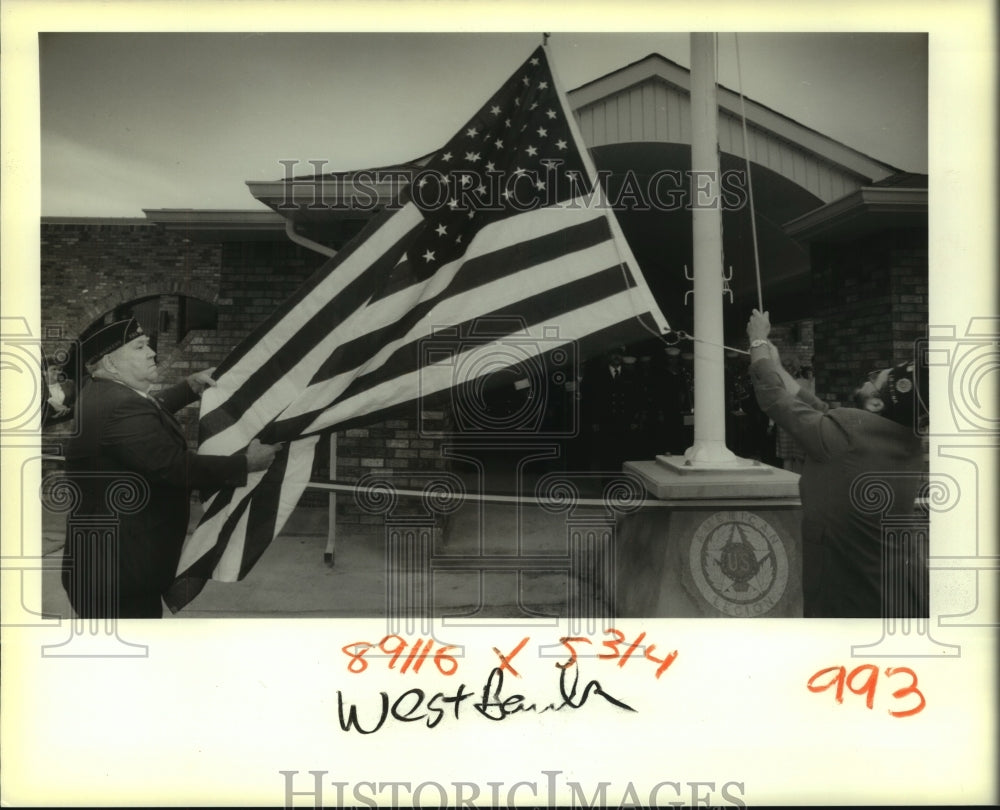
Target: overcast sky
x=133, y=121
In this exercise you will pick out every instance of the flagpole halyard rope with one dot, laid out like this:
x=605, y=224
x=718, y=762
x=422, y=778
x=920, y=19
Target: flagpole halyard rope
x=682, y=335
x=474, y=497
x=746, y=156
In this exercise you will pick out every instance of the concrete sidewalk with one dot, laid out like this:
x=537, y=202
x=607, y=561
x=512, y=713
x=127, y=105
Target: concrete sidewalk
x=292, y=580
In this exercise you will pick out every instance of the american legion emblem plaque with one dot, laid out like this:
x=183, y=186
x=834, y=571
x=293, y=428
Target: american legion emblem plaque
x=713, y=544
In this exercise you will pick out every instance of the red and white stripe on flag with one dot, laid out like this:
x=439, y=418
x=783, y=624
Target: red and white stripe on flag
x=506, y=223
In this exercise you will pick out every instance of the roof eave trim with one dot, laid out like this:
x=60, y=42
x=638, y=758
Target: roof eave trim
x=866, y=200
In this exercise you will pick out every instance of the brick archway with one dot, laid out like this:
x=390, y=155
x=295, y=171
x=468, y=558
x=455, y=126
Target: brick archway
x=173, y=356
x=124, y=294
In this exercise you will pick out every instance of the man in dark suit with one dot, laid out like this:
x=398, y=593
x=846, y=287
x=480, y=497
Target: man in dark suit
x=126, y=434
x=848, y=562
x=610, y=408
x=671, y=402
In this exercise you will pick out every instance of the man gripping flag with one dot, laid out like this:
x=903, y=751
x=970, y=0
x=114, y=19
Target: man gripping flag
x=505, y=223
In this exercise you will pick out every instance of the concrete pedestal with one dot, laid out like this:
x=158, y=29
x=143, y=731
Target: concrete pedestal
x=721, y=542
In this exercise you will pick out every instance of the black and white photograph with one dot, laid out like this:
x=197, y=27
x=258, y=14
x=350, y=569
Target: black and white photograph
x=396, y=413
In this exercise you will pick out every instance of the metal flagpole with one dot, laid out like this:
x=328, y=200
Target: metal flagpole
x=709, y=446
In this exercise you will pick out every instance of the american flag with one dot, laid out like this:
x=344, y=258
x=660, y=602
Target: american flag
x=505, y=223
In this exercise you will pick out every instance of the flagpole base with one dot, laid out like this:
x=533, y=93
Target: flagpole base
x=675, y=478
x=712, y=454
x=683, y=465
x=712, y=543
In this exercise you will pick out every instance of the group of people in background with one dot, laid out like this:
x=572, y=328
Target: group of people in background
x=638, y=404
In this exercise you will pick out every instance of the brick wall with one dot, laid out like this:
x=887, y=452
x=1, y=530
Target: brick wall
x=871, y=299
x=795, y=339
x=90, y=267
x=402, y=451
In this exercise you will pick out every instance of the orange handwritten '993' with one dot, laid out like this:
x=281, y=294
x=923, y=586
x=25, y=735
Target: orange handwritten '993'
x=863, y=680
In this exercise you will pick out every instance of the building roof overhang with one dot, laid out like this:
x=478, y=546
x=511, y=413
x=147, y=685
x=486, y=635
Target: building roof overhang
x=332, y=196
x=870, y=208
x=218, y=224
